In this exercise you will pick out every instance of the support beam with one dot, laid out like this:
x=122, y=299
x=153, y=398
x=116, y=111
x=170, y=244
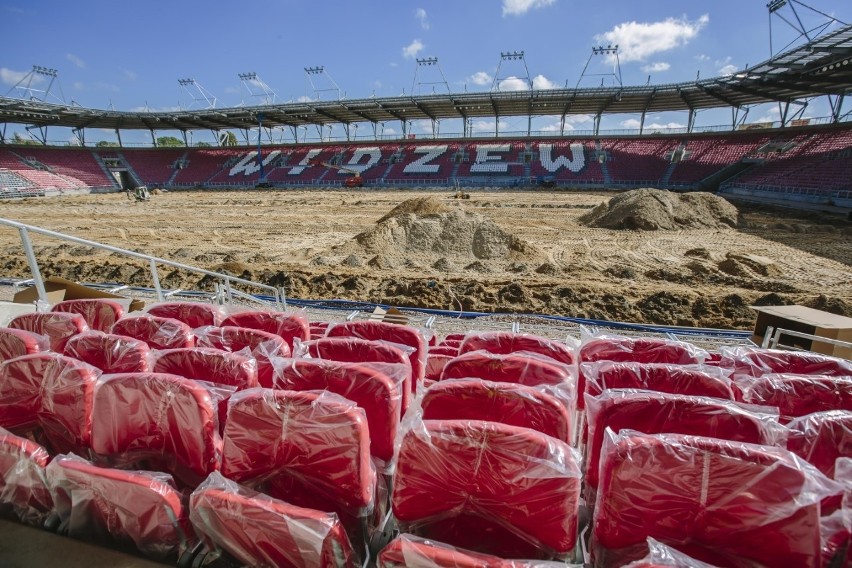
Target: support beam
x=118, y=135
x=153, y=138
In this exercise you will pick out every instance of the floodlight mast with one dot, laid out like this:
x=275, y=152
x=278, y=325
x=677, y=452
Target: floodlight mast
x=495, y=84
x=611, y=52
x=429, y=62
x=251, y=79
x=26, y=89
x=317, y=72
x=201, y=93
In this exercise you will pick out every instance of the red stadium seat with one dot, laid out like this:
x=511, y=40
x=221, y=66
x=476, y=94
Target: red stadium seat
x=289, y=326
x=258, y=530
x=158, y=333
x=262, y=345
x=409, y=551
x=821, y=438
x=100, y=314
x=798, y=395
x=504, y=342
x=318, y=329
x=721, y=502
x=435, y=366
x=508, y=403
x=193, y=314
x=24, y=491
x=755, y=361
x=488, y=487
x=662, y=556
x=138, y=507
x=57, y=326
x=17, y=342
x=370, y=389
x=109, y=353
x=521, y=368
x=455, y=337
x=211, y=365
x=446, y=350
x=50, y=394
x=660, y=377
x=451, y=343
x=393, y=333
x=655, y=412
x=157, y=421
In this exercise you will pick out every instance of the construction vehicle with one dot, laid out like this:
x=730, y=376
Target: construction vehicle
x=459, y=194
x=139, y=193
x=354, y=181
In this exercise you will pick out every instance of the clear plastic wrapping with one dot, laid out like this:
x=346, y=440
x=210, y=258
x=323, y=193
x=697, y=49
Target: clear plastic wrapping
x=108, y=352
x=489, y=487
x=375, y=387
x=504, y=342
x=193, y=314
x=287, y=325
x=259, y=530
x=508, y=403
x=139, y=507
x=797, y=395
x=158, y=421
x=157, y=332
x=660, y=555
x=693, y=380
x=394, y=333
x=435, y=367
x=821, y=438
x=656, y=412
x=24, y=491
x=722, y=502
x=57, y=326
x=100, y=314
x=318, y=329
x=17, y=343
x=205, y=364
x=450, y=343
x=260, y=345
x=51, y=394
x=446, y=350
x=756, y=361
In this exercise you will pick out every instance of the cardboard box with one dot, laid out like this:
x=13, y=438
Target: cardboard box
x=59, y=289
x=805, y=320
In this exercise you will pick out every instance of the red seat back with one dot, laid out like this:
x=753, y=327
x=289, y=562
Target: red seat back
x=446, y=350
x=157, y=332
x=23, y=486
x=435, y=366
x=261, y=344
x=756, y=361
x=100, y=314
x=109, y=353
x=193, y=314
x=798, y=395
x=504, y=342
x=17, y=343
x=517, y=368
x=288, y=326
x=660, y=377
x=211, y=365
x=57, y=326
x=822, y=437
x=409, y=551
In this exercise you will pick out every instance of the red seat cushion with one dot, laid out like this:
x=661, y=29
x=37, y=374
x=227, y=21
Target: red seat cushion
x=109, y=353
x=288, y=326
x=508, y=403
x=517, y=368
x=57, y=326
x=798, y=395
x=157, y=421
x=158, y=333
x=211, y=365
x=261, y=344
x=504, y=342
x=822, y=437
x=660, y=377
x=17, y=342
x=142, y=508
x=23, y=486
x=51, y=393
x=193, y=314
x=409, y=551
x=100, y=314
x=755, y=361
x=258, y=530
x=489, y=487
x=435, y=366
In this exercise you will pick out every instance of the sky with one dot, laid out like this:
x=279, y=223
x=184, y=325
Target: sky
x=130, y=55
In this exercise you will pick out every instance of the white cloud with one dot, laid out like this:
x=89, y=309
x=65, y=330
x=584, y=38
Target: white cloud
x=388, y=131
x=231, y=90
x=420, y=14
x=304, y=99
x=480, y=78
x=11, y=77
x=634, y=124
x=411, y=50
x=424, y=125
x=129, y=74
x=519, y=7
x=513, y=84
x=542, y=82
x=488, y=125
x=656, y=67
x=725, y=67
x=75, y=60
x=640, y=40
x=571, y=121
x=701, y=57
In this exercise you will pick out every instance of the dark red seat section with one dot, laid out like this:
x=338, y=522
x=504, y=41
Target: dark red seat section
x=57, y=326
x=157, y=421
x=211, y=365
x=660, y=377
x=258, y=530
x=100, y=314
x=17, y=343
x=409, y=551
x=24, y=491
x=822, y=437
x=109, y=353
x=261, y=344
x=488, y=487
x=288, y=326
x=393, y=333
x=157, y=332
x=127, y=507
x=504, y=342
x=798, y=395
x=193, y=314
x=715, y=500
x=508, y=403
x=521, y=368
x=51, y=395
x=755, y=361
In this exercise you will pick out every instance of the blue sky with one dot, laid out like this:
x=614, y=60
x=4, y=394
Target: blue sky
x=130, y=54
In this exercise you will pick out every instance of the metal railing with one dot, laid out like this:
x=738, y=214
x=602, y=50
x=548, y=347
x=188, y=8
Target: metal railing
x=224, y=282
x=772, y=339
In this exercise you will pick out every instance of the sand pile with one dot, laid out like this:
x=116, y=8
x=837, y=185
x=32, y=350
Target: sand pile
x=417, y=206
x=655, y=209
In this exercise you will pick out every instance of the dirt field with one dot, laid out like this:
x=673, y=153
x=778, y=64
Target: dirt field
x=305, y=241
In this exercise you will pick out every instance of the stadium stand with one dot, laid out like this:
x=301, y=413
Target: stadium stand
x=153, y=166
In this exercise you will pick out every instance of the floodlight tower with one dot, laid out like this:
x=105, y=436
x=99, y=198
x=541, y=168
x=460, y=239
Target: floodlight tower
x=26, y=87
x=318, y=89
x=256, y=88
x=429, y=63
x=498, y=79
x=199, y=94
x=611, y=53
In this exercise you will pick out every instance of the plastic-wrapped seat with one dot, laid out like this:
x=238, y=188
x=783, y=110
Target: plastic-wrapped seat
x=193, y=314
x=157, y=332
x=258, y=530
x=24, y=491
x=756, y=361
x=262, y=345
x=521, y=368
x=287, y=325
x=128, y=507
x=157, y=421
x=390, y=332
x=504, y=342
x=798, y=395
x=726, y=503
x=655, y=413
x=58, y=327
x=435, y=366
x=205, y=364
x=318, y=329
x=100, y=314
x=369, y=388
x=508, y=403
x=108, y=352
x=660, y=377
x=662, y=556
x=446, y=350
x=50, y=395
x=488, y=487
x=821, y=438
x=17, y=343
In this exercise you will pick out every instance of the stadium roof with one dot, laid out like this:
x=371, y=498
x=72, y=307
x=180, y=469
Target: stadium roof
x=820, y=67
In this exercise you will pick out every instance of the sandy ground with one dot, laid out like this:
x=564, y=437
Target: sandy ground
x=705, y=277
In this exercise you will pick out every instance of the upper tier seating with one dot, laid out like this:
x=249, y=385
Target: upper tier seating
x=153, y=166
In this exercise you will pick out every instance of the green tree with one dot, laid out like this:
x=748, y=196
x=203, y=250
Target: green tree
x=106, y=144
x=203, y=145
x=18, y=139
x=169, y=142
x=227, y=138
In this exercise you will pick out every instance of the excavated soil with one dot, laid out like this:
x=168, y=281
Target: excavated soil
x=523, y=251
